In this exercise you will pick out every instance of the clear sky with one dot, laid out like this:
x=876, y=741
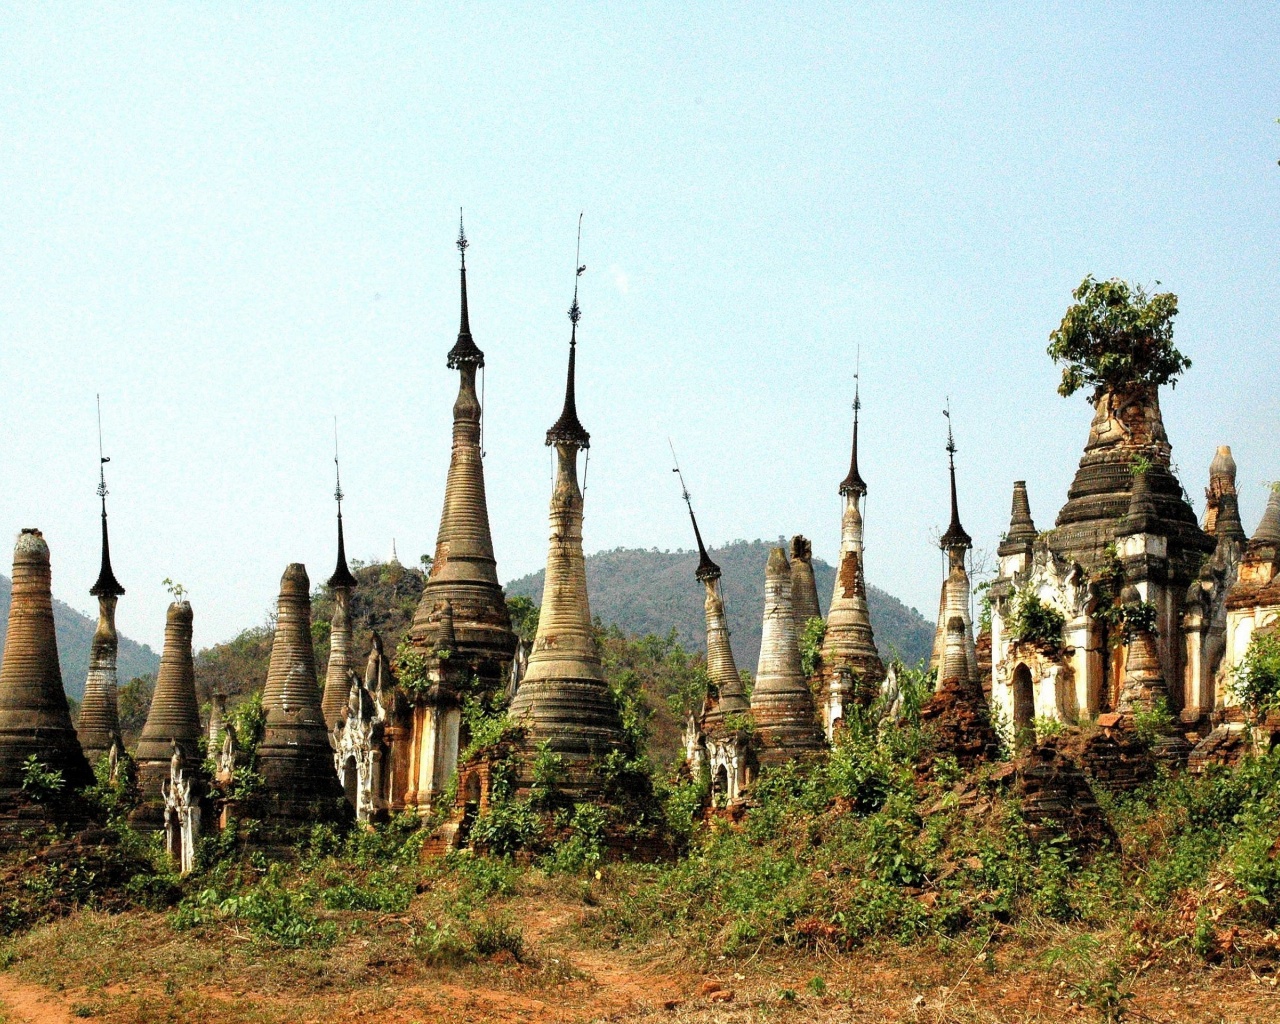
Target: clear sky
x=236, y=221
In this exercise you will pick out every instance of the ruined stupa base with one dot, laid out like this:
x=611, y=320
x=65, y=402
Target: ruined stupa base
x=960, y=725
x=1056, y=796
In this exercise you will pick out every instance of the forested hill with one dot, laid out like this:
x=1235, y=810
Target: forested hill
x=75, y=635
x=653, y=591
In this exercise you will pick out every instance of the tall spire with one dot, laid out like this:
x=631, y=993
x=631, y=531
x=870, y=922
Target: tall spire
x=464, y=571
x=341, y=584
x=1268, y=531
x=563, y=700
x=853, y=483
x=341, y=574
x=98, y=726
x=707, y=569
x=464, y=350
x=567, y=429
x=107, y=584
x=955, y=537
x=722, y=670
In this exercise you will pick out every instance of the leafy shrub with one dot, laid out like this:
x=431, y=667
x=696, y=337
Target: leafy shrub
x=378, y=893
x=1149, y=724
x=1033, y=621
x=507, y=827
x=1256, y=683
x=1115, y=336
x=41, y=783
x=811, y=637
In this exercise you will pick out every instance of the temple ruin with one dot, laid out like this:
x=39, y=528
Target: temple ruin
x=1126, y=550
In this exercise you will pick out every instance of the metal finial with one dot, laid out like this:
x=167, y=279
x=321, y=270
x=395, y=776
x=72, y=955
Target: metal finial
x=857, y=384
x=337, y=472
x=707, y=569
x=575, y=313
x=462, y=242
x=951, y=441
x=102, y=461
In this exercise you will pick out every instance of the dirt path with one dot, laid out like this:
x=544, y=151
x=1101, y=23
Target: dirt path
x=31, y=1004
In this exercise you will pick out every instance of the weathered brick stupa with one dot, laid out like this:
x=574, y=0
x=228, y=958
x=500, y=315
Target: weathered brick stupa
x=464, y=571
x=719, y=737
x=957, y=714
x=563, y=700
x=956, y=590
x=337, y=684
x=34, y=717
x=804, y=587
x=851, y=665
x=99, y=724
x=174, y=717
x=300, y=784
x=781, y=703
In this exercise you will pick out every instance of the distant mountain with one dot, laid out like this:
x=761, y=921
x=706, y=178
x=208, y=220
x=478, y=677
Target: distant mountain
x=652, y=591
x=75, y=635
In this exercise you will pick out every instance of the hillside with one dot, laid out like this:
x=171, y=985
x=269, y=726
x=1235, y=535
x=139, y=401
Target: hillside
x=75, y=635
x=653, y=591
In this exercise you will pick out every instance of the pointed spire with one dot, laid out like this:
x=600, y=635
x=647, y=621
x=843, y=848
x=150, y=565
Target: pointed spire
x=174, y=712
x=955, y=538
x=341, y=574
x=568, y=430
x=294, y=757
x=1142, y=516
x=1268, y=531
x=107, y=584
x=853, y=483
x=464, y=350
x=707, y=569
x=1022, y=529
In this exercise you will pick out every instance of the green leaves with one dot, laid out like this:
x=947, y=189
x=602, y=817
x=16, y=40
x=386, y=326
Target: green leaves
x=1115, y=336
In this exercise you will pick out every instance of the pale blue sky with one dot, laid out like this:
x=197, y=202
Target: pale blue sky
x=237, y=220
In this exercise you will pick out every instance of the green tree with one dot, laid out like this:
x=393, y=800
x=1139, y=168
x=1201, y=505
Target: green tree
x=1116, y=336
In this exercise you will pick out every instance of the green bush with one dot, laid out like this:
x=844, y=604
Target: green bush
x=1256, y=683
x=1033, y=621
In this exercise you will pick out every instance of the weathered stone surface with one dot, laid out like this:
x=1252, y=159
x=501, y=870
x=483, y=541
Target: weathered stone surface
x=295, y=758
x=34, y=716
x=173, y=718
x=781, y=702
x=804, y=587
x=1056, y=796
x=956, y=714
